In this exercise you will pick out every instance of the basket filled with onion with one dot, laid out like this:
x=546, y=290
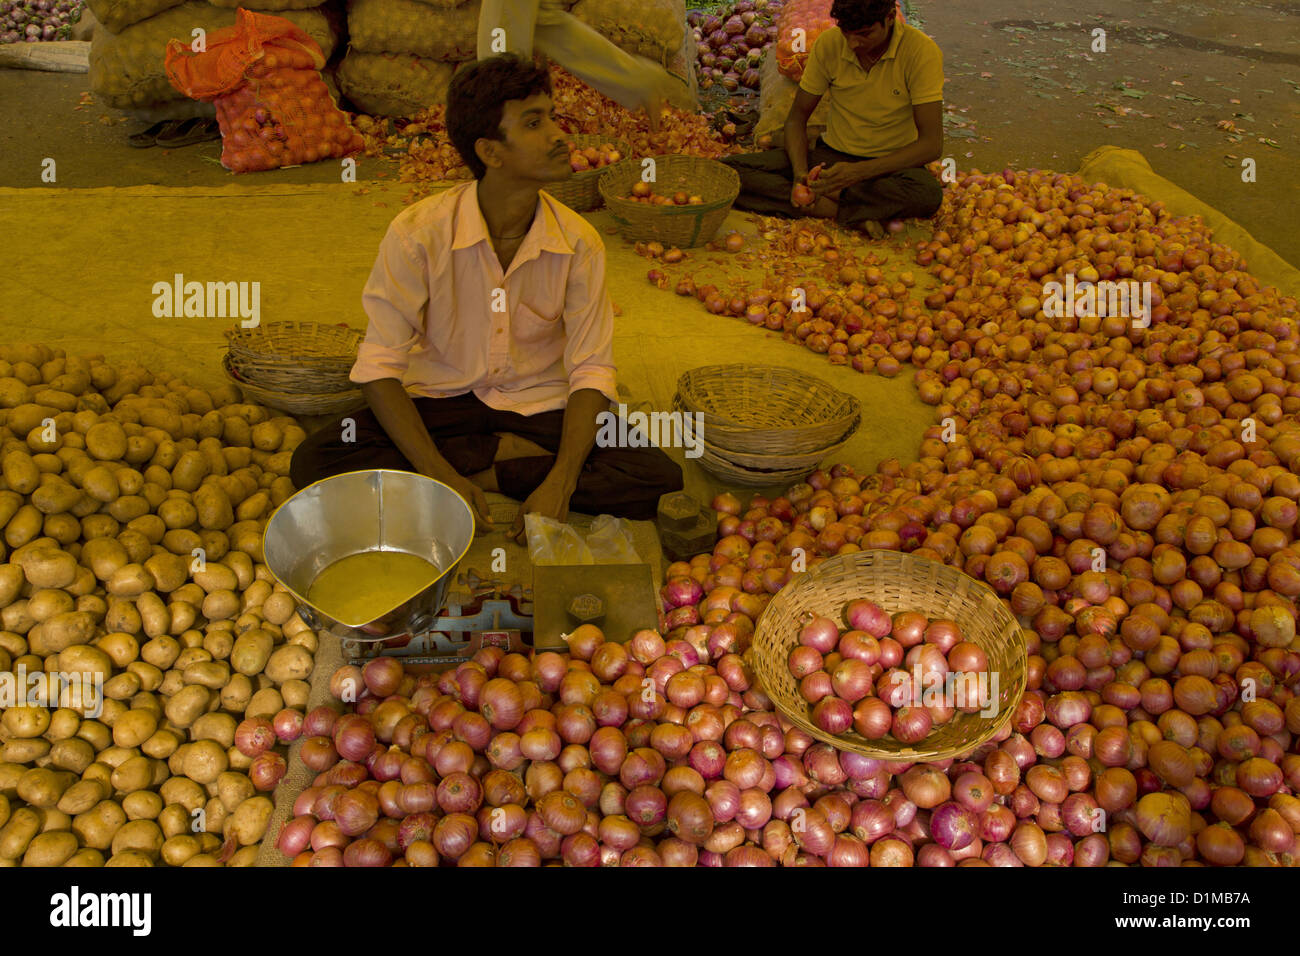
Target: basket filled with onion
x=676, y=200
x=891, y=656
x=589, y=157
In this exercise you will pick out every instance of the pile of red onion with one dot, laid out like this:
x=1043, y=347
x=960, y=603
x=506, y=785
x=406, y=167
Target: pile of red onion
x=613, y=754
x=883, y=676
x=1134, y=731
x=662, y=752
x=1130, y=491
x=731, y=42
x=36, y=20
x=428, y=156
x=257, y=737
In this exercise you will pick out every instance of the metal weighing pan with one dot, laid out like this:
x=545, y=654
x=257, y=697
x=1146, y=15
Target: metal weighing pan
x=373, y=510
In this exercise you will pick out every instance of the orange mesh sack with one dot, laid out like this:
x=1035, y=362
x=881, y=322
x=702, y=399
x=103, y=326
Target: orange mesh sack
x=814, y=18
x=263, y=75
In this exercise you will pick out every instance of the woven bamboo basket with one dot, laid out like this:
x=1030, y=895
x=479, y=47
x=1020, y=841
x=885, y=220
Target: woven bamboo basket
x=897, y=582
x=759, y=471
x=726, y=439
x=294, y=356
x=296, y=402
x=581, y=191
x=682, y=226
x=768, y=409
x=807, y=461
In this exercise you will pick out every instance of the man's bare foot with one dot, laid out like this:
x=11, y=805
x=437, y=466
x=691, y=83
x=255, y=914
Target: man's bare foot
x=872, y=228
x=824, y=207
x=512, y=446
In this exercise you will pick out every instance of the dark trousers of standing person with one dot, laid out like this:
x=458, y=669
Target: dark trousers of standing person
x=624, y=482
x=766, y=179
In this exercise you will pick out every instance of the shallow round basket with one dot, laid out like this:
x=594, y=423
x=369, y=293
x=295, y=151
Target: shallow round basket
x=768, y=409
x=748, y=477
x=756, y=471
x=897, y=582
x=295, y=356
x=296, y=402
x=581, y=191
x=682, y=226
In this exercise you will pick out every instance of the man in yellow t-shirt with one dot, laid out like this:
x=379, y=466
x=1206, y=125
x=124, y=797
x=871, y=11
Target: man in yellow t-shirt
x=885, y=83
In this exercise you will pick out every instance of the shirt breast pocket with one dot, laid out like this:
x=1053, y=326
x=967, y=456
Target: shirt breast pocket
x=536, y=324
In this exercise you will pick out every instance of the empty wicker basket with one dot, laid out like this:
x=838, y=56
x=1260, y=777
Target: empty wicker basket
x=297, y=402
x=762, y=471
x=768, y=409
x=295, y=356
x=897, y=582
x=765, y=424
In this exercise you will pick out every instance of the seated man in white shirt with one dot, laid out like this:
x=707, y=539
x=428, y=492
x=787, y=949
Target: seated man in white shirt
x=489, y=350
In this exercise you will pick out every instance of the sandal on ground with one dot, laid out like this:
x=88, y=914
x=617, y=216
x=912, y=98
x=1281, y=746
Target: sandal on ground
x=149, y=137
x=743, y=120
x=190, y=131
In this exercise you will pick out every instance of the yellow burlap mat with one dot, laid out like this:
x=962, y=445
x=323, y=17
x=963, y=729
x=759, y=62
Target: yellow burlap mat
x=1129, y=168
x=83, y=275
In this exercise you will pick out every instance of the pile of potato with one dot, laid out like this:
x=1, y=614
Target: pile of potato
x=132, y=509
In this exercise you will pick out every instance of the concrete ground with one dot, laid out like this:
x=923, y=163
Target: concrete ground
x=1196, y=86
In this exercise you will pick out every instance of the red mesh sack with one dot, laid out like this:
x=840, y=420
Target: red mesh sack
x=263, y=75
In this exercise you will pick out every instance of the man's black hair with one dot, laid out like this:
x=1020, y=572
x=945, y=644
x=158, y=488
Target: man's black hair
x=477, y=97
x=854, y=15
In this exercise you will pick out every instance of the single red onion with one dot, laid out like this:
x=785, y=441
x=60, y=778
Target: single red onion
x=820, y=634
x=953, y=826
x=864, y=615
x=870, y=820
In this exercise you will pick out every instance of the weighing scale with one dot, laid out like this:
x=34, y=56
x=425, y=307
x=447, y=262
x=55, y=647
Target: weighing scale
x=490, y=612
x=619, y=598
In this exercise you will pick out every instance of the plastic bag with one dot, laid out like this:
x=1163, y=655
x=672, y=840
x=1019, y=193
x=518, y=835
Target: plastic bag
x=551, y=542
x=813, y=17
x=273, y=107
x=776, y=96
x=610, y=541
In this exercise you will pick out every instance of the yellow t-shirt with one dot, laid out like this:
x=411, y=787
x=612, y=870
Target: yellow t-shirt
x=871, y=112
